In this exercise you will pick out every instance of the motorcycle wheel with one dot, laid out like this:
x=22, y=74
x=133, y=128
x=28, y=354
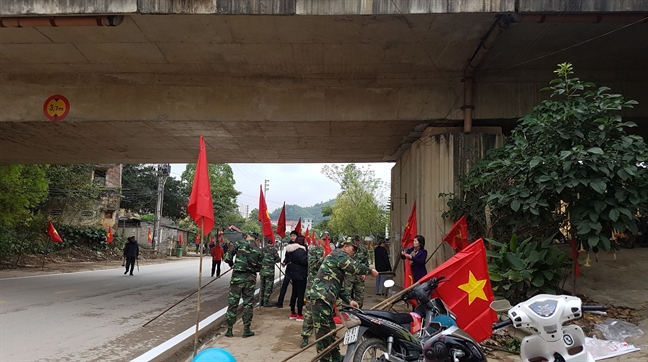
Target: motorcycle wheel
x=368, y=350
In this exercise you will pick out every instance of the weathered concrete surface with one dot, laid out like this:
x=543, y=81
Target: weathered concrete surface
x=342, y=88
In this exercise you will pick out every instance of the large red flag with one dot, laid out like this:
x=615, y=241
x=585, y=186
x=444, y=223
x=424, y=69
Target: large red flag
x=313, y=240
x=467, y=290
x=307, y=237
x=200, y=205
x=327, y=246
x=109, y=236
x=264, y=216
x=149, y=237
x=298, y=227
x=281, y=223
x=458, y=235
x=410, y=229
x=51, y=231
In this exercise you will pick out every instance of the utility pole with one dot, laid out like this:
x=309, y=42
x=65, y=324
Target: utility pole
x=266, y=187
x=163, y=172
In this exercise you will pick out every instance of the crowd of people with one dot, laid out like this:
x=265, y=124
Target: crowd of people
x=318, y=282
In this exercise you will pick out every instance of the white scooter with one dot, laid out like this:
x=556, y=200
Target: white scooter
x=543, y=317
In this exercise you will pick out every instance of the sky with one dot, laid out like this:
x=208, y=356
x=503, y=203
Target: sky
x=300, y=184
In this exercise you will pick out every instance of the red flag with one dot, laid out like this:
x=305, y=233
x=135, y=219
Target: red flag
x=313, y=240
x=180, y=239
x=307, y=237
x=410, y=229
x=109, y=236
x=327, y=246
x=200, y=205
x=281, y=224
x=149, y=237
x=458, y=235
x=408, y=278
x=298, y=227
x=467, y=290
x=264, y=216
x=51, y=231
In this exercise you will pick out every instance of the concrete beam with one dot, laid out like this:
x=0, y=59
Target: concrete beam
x=65, y=7
x=550, y=6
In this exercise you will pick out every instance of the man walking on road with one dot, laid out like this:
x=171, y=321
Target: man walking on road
x=131, y=252
x=244, y=275
x=217, y=255
x=270, y=259
x=327, y=288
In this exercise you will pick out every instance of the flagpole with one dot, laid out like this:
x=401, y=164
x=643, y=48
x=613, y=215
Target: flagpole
x=434, y=252
x=202, y=235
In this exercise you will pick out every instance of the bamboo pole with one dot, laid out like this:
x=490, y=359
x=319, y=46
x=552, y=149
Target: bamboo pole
x=200, y=249
x=185, y=298
x=338, y=341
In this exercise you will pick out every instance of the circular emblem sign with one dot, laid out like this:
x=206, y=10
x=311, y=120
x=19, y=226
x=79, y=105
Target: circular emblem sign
x=56, y=107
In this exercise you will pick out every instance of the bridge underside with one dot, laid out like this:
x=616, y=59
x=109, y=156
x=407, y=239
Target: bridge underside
x=336, y=88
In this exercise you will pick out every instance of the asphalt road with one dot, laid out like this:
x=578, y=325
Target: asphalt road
x=98, y=315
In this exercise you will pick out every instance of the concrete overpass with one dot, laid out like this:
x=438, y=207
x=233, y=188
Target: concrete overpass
x=303, y=80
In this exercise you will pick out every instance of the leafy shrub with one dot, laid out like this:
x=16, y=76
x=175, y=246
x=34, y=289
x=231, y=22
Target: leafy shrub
x=78, y=236
x=518, y=272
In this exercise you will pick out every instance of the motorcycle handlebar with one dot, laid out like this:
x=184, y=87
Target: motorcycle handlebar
x=594, y=308
x=502, y=324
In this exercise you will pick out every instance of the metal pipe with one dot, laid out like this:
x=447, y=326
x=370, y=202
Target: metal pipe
x=59, y=21
x=468, y=105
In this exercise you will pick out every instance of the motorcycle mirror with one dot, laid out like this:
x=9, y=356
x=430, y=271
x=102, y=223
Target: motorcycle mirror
x=501, y=305
x=388, y=283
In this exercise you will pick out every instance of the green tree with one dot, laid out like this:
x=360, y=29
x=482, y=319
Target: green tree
x=570, y=159
x=357, y=207
x=221, y=180
x=139, y=192
x=22, y=189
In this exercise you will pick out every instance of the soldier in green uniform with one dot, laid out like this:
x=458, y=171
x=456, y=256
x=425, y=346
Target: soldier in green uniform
x=244, y=275
x=327, y=288
x=270, y=258
x=355, y=284
x=315, y=258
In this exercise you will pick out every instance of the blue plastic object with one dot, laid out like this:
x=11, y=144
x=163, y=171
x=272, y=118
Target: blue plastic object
x=445, y=320
x=214, y=355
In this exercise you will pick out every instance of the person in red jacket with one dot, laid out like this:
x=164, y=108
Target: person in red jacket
x=217, y=256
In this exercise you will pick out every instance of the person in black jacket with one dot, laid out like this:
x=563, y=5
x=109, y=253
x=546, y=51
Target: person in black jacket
x=286, y=280
x=382, y=265
x=297, y=271
x=131, y=252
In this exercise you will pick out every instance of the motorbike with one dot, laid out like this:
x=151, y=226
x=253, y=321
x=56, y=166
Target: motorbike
x=428, y=334
x=550, y=340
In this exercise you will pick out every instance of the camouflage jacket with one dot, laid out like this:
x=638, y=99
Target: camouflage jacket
x=248, y=257
x=362, y=256
x=315, y=258
x=327, y=285
x=270, y=258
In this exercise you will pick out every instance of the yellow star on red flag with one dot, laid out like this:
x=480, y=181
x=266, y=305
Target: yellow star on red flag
x=474, y=288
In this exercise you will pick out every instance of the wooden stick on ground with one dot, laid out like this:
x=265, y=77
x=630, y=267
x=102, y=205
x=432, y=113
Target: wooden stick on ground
x=185, y=298
x=338, y=341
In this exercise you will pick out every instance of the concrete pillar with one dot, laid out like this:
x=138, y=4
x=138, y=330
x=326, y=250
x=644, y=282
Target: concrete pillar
x=430, y=167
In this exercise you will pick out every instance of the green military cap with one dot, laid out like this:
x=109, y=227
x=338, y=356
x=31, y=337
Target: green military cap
x=254, y=234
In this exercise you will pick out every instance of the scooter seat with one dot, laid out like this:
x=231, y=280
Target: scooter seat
x=398, y=318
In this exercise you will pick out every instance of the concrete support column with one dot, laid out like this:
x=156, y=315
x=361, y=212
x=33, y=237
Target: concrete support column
x=430, y=167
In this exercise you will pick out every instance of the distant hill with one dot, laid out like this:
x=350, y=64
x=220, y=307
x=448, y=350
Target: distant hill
x=294, y=212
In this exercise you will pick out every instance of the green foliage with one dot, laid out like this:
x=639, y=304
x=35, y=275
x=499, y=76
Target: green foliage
x=22, y=189
x=148, y=217
x=520, y=271
x=83, y=236
x=251, y=225
x=71, y=189
x=357, y=207
x=221, y=180
x=569, y=159
x=139, y=192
